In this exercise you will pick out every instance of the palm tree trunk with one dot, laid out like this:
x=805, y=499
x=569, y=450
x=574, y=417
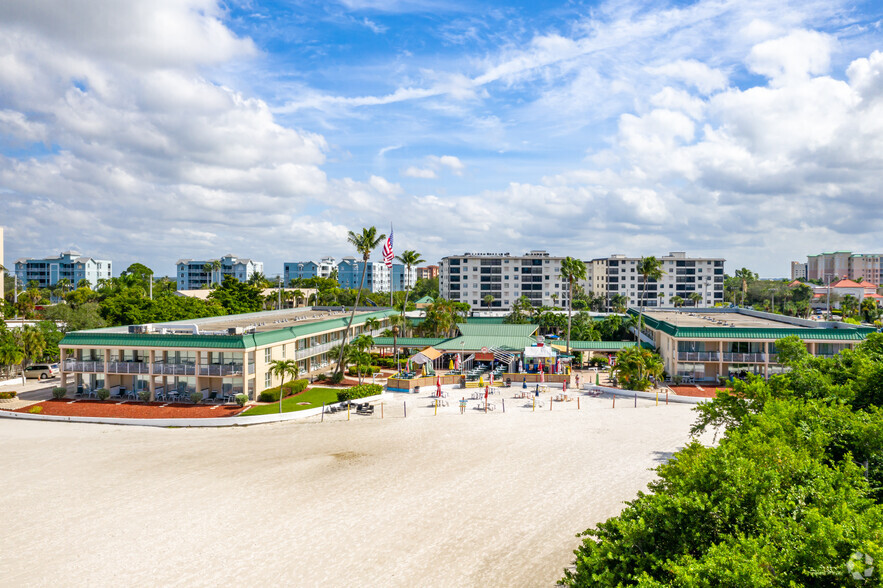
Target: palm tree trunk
x=352, y=315
x=281, y=392
x=569, y=313
x=407, y=290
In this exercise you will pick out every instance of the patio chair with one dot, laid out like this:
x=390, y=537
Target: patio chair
x=212, y=397
x=133, y=394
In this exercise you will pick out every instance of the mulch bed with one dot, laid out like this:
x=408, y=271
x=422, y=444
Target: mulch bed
x=708, y=391
x=134, y=410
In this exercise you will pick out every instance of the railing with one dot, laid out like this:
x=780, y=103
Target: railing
x=127, y=367
x=230, y=369
x=744, y=357
x=160, y=369
x=73, y=365
x=174, y=369
x=698, y=356
x=315, y=350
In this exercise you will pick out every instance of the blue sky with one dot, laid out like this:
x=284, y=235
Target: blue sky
x=188, y=128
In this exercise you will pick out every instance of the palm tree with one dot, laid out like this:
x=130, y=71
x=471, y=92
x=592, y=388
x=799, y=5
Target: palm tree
x=396, y=323
x=84, y=283
x=571, y=270
x=650, y=268
x=695, y=297
x=10, y=354
x=298, y=296
x=282, y=368
x=676, y=301
x=410, y=258
x=361, y=345
x=849, y=306
x=365, y=243
x=619, y=302
x=488, y=300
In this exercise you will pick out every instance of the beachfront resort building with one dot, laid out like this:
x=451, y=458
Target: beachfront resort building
x=471, y=277
x=220, y=356
x=683, y=276
x=69, y=265
x=294, y=270
x=427, y=273
x=707, y=343
x=194, y=274
x=378, y=277
x=828, y=267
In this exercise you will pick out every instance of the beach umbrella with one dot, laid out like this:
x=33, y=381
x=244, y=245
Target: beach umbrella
x=424, y=369
x=487, y=389
x=542, y=376
x=480, y=381
x=438, y=386
x=457, y=362
x=597, y=379
x=565, y=387
x=537, y=390
x=492, y=379
x=451, y=365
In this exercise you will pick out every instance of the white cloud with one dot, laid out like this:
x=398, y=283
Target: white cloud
x=376, y=28
x=793, y=57
x=420, y=172
x=694, y=73
x=451, y=162
x=384, y=186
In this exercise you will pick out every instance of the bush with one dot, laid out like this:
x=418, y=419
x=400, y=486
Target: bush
x=367, y=370
x=196, y=397
x=272, y=394
x=35, y=409
x=102, y=393
x=321, y=377
x=336, y=378
x=144, y=395
x=241, y=399
x=598, y=361
x=362, y=391
x=8, y=395
x=59, y=393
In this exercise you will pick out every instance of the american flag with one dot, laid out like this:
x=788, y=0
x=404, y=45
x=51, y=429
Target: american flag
x=388, y=255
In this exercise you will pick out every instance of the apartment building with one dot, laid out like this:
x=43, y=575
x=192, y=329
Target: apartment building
x=705, y=344
x=293, y=270
x=192, y=273
x=472, y=276
x=378, y=277
x=427, y=273
x=682, y=276
x=798, y=270
x=844, y=264
x=222, y=355
x=69, y=265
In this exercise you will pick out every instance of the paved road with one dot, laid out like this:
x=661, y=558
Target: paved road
x=35, y=389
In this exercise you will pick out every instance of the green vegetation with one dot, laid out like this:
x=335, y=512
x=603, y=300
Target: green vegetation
x=8, y=395
x=791, y=492
x=59, y=393
x=35, y=409
x=314, y=396
x=409, y=258
x=102, y=393
x=363, y=391
x=241, y=399
x=571, y=270
x=292, y=387
x=284, y=368
x=635, y=366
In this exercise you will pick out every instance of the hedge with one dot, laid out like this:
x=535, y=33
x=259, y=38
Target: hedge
x=362, y=391
x=291, y=388
x=8, y=395
x=366, y=370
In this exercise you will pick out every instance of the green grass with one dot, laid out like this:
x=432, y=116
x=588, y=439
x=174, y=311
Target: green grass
x=315, y=396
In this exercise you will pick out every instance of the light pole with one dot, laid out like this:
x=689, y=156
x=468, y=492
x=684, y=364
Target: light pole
x=828, y=295
x=151, y=285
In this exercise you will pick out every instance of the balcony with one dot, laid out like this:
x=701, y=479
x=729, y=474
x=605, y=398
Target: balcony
x=698, y=356
x=159, y=369
x=744, y=357
x=127, y=367
x=72, y=365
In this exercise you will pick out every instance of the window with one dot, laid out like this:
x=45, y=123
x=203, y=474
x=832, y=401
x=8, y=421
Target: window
x=283, y=351
x=268, y=380
x=268, y=355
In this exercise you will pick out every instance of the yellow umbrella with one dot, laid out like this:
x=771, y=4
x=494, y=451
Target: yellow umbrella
x=451, y=367
x=480, y=381
x=424, y=369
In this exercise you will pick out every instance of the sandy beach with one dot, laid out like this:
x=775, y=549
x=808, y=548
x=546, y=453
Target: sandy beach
x=450, y=500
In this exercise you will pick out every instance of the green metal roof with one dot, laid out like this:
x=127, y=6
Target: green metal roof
x=597, y=345
x=717, y=332
x=485, y=320
x=409, y=341
x=496, y=330
x=475, y=342
x=104, y=338
x=425, y=300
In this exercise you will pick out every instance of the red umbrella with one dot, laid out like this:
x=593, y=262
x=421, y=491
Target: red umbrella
x=486, y=390
x=565, y=387
x=438, y=386
x=542, y=374
x=492, y=379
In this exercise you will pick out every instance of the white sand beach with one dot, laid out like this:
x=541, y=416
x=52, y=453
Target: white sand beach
x=450, y=500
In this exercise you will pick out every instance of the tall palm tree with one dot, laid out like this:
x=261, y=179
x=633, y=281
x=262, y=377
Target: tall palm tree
x=298, y=296
x=650, y=268
x=396, y=323
x=488, y=300
x=676, y=301
x=283, y=368
x=410, y=258
x=695, y=297
x=571, y=270
x=364, y=242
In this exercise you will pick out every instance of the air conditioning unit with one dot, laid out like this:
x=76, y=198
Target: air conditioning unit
x=236, y=331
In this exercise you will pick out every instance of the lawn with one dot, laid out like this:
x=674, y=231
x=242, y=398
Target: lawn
x=315, y=397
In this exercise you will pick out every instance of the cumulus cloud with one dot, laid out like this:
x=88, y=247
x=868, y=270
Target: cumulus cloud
x=424, y=173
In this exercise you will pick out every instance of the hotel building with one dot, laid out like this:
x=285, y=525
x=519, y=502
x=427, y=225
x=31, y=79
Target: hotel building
x=293, y=270
x=224, y=354
x=704, y=344
x=192, y=274
x=844, y=264
x=472, y=276
x=69, y=265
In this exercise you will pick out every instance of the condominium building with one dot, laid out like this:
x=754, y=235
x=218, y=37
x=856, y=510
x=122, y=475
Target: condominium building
x=427, y=273
x=69, y=265
x=193, y=274
x=844, y=264
x=222, y=355
x=378, y=277
x=798, y=270
x=682, y=276
x=471, y=277
x=702, y=345
x=293, y=270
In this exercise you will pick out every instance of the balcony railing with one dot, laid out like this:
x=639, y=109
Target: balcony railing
x=745, y=357
x=159, y=369
x=698, y=356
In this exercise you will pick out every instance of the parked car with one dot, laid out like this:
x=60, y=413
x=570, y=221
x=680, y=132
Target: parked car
x=42, y=370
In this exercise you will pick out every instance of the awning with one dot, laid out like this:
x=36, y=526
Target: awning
x=426, y=356
x=539, y=352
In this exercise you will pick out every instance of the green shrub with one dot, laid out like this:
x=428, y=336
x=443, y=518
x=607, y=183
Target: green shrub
x=8, y=395
x=144, y=395
x=35, y=409
x=196, y=397
x=362, y=391
x=102, y=393
x=271, y=395
x=366, y=370
x=59, y=393
x=336, y=378
x=297, y=386
x=321, y=377
x=241, y=399
x=598, y=361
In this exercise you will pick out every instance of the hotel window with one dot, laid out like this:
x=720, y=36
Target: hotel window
x=283, y=351
x=267, y=355
x=268, y=380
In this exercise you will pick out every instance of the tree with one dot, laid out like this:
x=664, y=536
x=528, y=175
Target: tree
x=237, y=297
x=364, y=242
x=650, y=268
x=870, y=311
x=361, y=345
x=410, y=259
x=442, y=317
x=10, y=352
x=283, y=368
x=396, y=324
x=695, y=297
x=619, y=303
x=849, y=306
x=676, y=301
x=298, y=295
x=634, y=367
x=571, y=270
x=488, y=300
x=32, y=344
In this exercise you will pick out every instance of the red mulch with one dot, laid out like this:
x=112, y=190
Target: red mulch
x=134, y=410
x=708, y=391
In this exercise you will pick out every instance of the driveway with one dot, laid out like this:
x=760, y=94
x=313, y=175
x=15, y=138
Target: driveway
x=35, y=389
